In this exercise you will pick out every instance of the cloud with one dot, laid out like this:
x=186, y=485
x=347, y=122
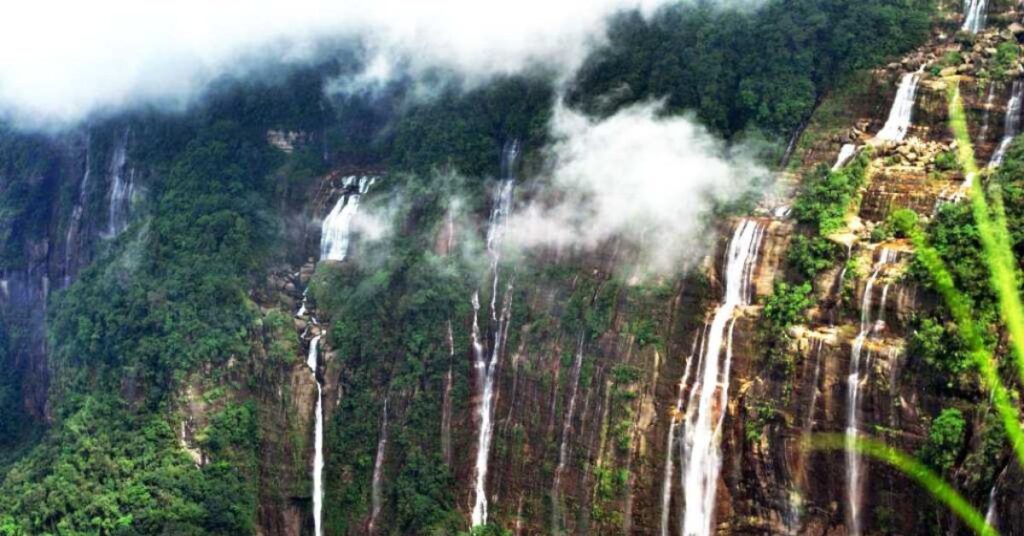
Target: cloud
x=636, y=175
x=60, y=61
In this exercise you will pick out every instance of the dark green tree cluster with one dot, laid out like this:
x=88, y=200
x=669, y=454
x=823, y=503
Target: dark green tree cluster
x=739, y=68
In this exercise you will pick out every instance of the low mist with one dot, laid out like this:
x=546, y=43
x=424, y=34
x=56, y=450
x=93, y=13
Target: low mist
x=638, y=176
x=60, y=63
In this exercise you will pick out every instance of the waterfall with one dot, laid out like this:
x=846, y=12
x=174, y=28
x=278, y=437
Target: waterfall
x=318, y=438
x=1011, y=124
x=666, y=489
x=120, y=189
x=75, y=223
x=781, y=212
x=991, y=516
x=898, y=124
x=337, y=226
x=975, y=13
x=563, y=448
x=796, y=496
x=376, y=491
x=845, y=154
x=446, y=402
x=705, y=413
x=484, y=368
x=853, y=385
x=818, y=345
x=986, y=118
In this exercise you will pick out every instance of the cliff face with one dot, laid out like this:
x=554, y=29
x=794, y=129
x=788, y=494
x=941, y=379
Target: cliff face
x=594, y=370
x=595, y=376
x=81, y=188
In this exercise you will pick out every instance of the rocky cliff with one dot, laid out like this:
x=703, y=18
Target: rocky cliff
x=587, y=383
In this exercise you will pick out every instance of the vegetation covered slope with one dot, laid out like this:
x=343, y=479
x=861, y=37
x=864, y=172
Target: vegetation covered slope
x=174, y=295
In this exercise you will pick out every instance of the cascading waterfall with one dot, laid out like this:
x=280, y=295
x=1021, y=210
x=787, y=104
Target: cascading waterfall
x=796, y=496
x=992, y=512
x=120, y=189
x=337, y=226
x=485, y=368
x=446, y=403
x=563, y=448
x=901, y=114
x=75, y=224
x=376, y=487
x=318, y=438
x=1011, y=123
x=705, y=413
x=673, y=427
x=1011, y=127
x=846, y=152
x=853, y=385
x=975, y=15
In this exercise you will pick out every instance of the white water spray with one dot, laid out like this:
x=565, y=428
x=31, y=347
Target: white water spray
x=485, y=369
x=318, y=439
x=337, y=226
x=705, y=413
x=1011, y=124
x=854, y=476
x=901, y=114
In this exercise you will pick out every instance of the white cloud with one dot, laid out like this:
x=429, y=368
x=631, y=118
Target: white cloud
x=648, y=179
x=61, y=60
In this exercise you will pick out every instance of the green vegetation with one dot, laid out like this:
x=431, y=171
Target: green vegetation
x=937, y=345
x=946, y=161
x=947, y=433
x=168, y=298
x=782, y=309
x=1006, y=60
x=740, y=70
x=169, y=304
x=896, y=225
x=945, y=440
x=821, y=209
x=826, y=195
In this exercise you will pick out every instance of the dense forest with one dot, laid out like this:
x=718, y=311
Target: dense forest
x=178, y=303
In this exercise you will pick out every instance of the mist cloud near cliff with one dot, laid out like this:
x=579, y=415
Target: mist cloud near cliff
x=638, y=176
